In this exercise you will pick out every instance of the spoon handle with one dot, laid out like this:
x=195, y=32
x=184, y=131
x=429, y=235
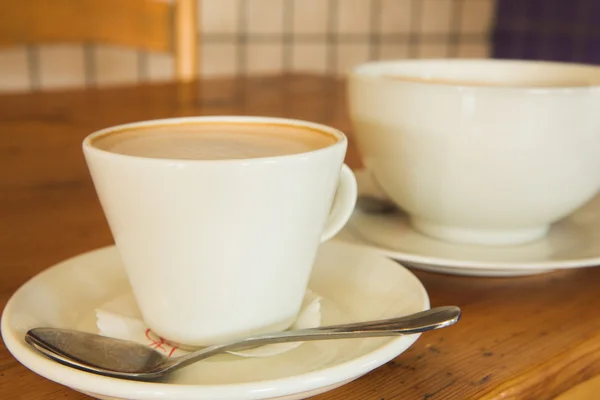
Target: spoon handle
x=434, y=318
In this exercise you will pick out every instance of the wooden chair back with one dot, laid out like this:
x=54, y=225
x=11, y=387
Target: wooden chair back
x=151, y=25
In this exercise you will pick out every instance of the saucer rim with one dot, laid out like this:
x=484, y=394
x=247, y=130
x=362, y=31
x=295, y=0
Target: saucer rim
x=288, y=386
x=467, y=264
x=449, y=263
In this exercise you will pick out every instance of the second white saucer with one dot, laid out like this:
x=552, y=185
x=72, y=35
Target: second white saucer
x=571, y=243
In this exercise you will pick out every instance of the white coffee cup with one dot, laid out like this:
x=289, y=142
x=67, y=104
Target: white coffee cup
x=480, y=151
x=218, y=249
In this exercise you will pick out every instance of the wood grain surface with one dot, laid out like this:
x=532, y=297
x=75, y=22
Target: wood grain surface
x=519, y=338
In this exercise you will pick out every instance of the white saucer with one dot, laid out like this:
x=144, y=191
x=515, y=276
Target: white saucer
x=355, y=283
x=571, y=243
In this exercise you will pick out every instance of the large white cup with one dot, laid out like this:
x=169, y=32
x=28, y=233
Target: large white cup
x=218, y=249
x=480, y=151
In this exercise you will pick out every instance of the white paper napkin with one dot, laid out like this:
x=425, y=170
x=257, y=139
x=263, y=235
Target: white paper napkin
x=120, y=318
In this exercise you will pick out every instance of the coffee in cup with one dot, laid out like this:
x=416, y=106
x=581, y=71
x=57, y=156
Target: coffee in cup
x=214, y=141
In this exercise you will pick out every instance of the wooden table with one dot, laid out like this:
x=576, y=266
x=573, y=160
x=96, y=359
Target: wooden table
x=520, y=338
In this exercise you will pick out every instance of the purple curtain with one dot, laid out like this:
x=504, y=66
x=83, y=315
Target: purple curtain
x=556, y=30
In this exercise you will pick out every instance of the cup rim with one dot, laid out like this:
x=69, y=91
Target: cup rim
x=358, y=72
x=342, y=140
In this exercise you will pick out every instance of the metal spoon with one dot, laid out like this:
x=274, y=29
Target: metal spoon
x=125, y=359
x=375, y=205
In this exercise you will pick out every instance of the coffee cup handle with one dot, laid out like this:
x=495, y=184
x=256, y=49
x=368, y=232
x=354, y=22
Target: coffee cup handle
x=343, y=204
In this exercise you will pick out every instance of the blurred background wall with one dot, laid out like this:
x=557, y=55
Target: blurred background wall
x=324, y=36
